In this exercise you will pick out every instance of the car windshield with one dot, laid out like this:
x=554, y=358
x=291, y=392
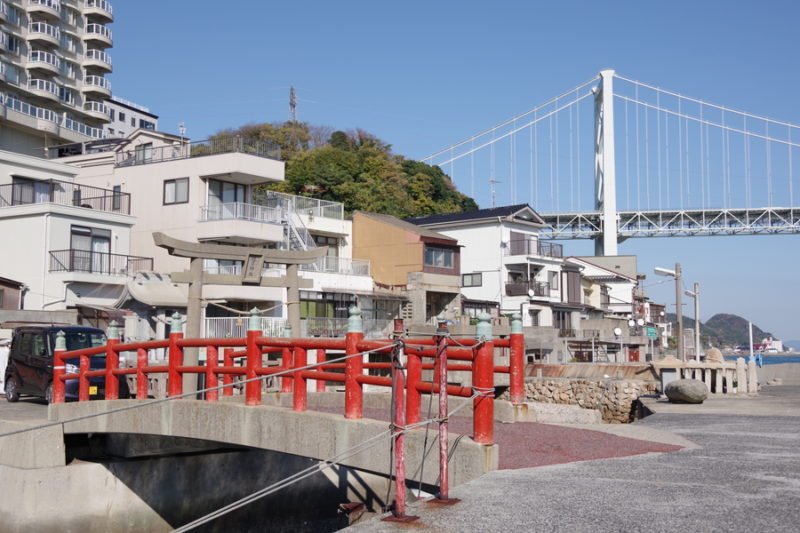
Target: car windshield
x=78, y=340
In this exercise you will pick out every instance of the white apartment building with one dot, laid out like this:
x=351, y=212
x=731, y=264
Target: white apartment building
x=209, y=192
x=504, y=262
x=53, y=65
x=68, y=243
x=127, y=117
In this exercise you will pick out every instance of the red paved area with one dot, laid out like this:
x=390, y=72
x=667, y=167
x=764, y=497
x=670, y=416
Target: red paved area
x=528, y=444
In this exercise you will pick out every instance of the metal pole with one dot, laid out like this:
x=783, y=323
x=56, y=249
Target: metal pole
x=697, y=321
x=679, y=311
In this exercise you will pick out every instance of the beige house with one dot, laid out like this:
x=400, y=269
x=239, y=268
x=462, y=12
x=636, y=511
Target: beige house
x=423, y=265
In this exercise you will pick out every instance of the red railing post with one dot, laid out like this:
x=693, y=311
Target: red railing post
x=516, y=361
x=354, y=367
x=483, y=383
x=212, y=362
x=252, y=389
x=175, y=357
x=300, y=388
x=227, y=379
x=286, y=361
x=321, y=355
x=112, y=362
x=83, y=381
x=141, y=377
x=398, y=427
x=59, y=369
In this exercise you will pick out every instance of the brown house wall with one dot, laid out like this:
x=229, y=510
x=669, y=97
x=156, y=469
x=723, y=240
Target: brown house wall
x=392, y=251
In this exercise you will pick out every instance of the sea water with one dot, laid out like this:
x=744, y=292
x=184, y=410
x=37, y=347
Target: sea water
x=768, y=359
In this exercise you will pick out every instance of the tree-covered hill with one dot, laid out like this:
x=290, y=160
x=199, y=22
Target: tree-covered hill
x=356, y=169
x=724, y=329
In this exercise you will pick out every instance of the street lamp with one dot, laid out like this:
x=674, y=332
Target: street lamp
x=678, y=304
x=696, y=295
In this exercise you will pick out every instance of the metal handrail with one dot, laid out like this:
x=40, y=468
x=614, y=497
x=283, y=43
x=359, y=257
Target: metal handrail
x=45, y=28
x=73, y=260
x=98, y=29
x=240, y=211
x=64, y=193
x=188, y=150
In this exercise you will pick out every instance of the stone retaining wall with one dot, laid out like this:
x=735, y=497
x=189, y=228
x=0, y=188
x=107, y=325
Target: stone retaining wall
x=614, y=398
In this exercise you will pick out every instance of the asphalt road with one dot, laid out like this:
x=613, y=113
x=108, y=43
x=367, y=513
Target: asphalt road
x=743, y=475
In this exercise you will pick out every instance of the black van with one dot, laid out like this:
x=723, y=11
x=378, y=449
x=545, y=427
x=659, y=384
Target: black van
x=30, y=362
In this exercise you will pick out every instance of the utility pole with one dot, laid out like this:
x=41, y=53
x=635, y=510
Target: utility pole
x=696, y=295
x=679, y=311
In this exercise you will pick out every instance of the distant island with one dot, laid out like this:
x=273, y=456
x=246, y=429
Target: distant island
x=725, y=330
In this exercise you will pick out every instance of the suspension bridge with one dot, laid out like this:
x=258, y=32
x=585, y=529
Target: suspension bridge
x=615, y=158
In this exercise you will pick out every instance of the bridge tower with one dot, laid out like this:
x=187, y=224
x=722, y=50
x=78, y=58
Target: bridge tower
x=604, y=165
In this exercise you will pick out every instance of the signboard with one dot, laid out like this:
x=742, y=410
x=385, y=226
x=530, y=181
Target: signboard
x=652, y=332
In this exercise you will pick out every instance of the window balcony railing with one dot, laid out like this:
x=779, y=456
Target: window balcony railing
x=64, y=193
x=41, y=56
x=236, y=327
x=3, y=9
x=97, y=81
x=43, y=85
x=339, y=265
x=201, y=148
x=55, y=5
x=45, y=29
x=98, y=262
x=337, y=327
x=302, y=205
x=240, y=211
x=528, y=288
x=98, y=55
x=47, y=114
x=534, y=247
x=101, y=4
x=98, y=29
x=96, y=107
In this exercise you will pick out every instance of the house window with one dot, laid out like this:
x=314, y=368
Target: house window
x=534, y=314
x=12, y=44
x=133, y=121
x=225, y=192
x=472, y=280
x=121, y=116
x=552, y=277
x=563, y=320
x=438, y=257
x=144, y=124
x=90, y=249
x=144, y=152
x=117, y=194
x=332, y=243
x=176, y=191
x=112, y=113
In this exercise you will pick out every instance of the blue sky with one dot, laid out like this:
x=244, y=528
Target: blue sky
x=424, y=75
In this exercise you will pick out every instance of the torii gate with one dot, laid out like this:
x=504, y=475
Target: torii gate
x=252, y=259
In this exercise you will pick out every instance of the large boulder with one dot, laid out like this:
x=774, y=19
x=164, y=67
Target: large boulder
x=686, y=391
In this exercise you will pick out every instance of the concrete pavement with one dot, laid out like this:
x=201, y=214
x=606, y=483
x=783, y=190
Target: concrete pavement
x=742, y=475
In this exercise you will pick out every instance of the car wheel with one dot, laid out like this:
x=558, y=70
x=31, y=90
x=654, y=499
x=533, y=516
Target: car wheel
x=12, y=393
x=48, y=394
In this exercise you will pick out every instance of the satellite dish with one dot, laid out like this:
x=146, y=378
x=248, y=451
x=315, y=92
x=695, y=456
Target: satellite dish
x=640, y=322
x=617, y=332
x=531, y=294
x=631, y=322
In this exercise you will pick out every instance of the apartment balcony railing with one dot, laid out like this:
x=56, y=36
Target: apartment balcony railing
x=339, y=265
x=98, y=29
x=55, y=5
x=528, y=288
x=240, y=211
x=200, y=148
x=3, y=10
x=97, y=81
x=303, y=205
x=40, y=56
x=44, y=86
x=47, y=114
x=98, y=262
x=236, y=327
x=100, y=4
x=64, y=193
x=534, y=247
x=98, y=55
x=96, y=107
x=44, y=28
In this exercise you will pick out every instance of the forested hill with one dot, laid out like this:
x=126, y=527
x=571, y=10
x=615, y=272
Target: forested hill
x=725, y=329
x=356, y=169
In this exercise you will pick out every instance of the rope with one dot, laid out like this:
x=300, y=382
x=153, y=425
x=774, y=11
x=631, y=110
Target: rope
x=188, y=394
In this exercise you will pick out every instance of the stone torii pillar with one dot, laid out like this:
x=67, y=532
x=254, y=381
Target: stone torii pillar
x=253, y=260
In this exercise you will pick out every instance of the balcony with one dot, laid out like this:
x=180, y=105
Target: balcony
x=64, y=193
x=3, y=11
x=236, y=327
x=95, y=58
x=46, y=8
x=302, y=205
x=98, y=85
x=97, y=110
x=98, y=34
x=99, y=8
x=534, y=247
x=98, y=262
x=199, y=149
x=241, y=223
x=49, y=115
x=42, y=60
x=44, y=32
x=528, y=288
x=44, y=88
x=339, y=265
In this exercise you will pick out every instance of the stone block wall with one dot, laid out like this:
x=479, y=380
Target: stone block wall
x=614, y=398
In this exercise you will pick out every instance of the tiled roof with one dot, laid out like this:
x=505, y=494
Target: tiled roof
x=481, y=214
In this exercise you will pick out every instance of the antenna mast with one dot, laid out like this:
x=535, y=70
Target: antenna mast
x=292, y=105
x=492, y=181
